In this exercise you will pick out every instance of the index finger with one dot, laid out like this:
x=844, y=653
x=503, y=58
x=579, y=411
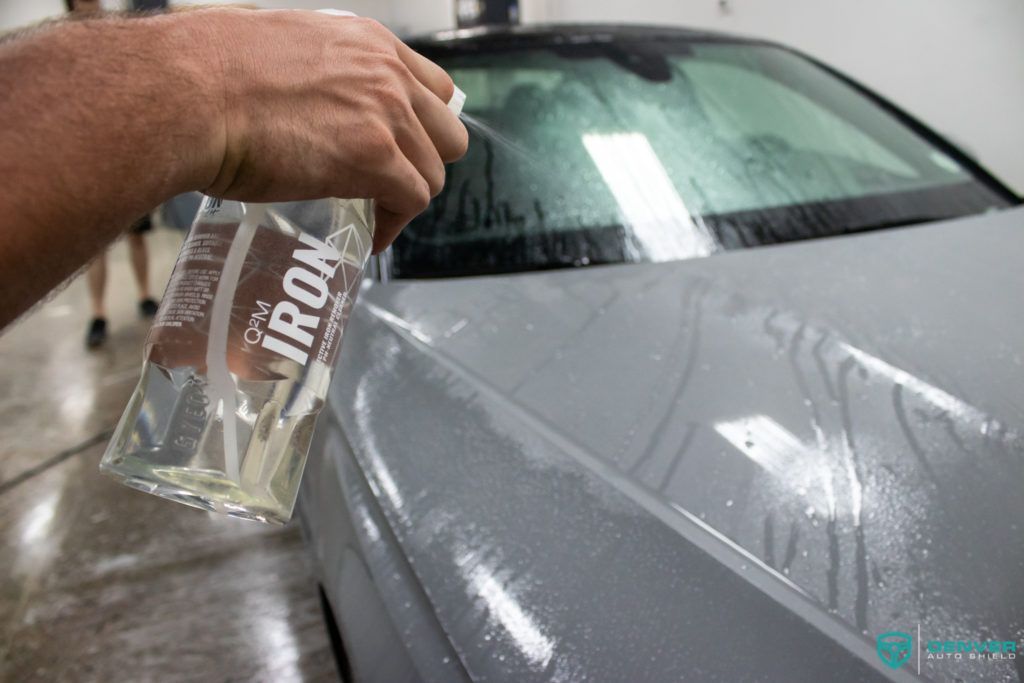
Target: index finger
x=427, y=72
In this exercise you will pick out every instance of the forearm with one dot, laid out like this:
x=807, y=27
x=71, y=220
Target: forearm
x=101, y=121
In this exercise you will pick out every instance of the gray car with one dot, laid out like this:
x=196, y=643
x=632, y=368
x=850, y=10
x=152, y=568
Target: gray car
x=708, y=364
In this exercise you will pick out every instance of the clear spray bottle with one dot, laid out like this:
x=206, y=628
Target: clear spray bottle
x=240, y=356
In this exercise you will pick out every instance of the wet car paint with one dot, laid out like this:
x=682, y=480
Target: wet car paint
x=744, y=466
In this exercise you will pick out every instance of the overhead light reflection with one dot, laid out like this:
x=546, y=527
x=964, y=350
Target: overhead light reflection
x=382, y=475
x=37, y=521
x=659, y=220
x=505, y=607
x=268, y=617
x=766, y=442
x=929, y=392
x=279, y=647
x=395, y=321
x=784, y=456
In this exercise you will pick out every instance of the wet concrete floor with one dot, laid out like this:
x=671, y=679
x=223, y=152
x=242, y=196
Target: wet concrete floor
x=102, y=583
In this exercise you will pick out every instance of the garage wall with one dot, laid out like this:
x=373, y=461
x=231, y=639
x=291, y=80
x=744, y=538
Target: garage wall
x=378, y=9
x=420, y=16
x=17, y=13
x=956, y=64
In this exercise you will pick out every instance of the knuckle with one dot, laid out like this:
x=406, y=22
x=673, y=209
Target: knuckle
x=365, y=38
x=366, y=25
x=389, y=66
x=376, y=145
x=398, y=74
x=447, y=85
x=461, y=145
x=421, y=196
x=435, y=180
x=373, y=26
x=391, y=96
x=456, y=146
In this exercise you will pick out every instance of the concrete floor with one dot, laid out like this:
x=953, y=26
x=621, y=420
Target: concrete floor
x=102, y=583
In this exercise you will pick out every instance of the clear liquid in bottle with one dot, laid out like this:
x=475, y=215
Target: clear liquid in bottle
x=240, y=356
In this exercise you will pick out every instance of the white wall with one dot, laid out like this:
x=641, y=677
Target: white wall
x=18, y=13
x=419, y=16
x=377, y=9
x=956, y=64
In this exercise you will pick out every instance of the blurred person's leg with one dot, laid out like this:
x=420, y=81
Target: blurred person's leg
x=96, y=278
x=140, y=265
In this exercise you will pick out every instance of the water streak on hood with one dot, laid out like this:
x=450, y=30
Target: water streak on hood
x=839, y=421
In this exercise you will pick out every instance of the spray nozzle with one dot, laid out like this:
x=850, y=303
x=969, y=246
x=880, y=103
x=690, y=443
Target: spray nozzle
x=457, y=101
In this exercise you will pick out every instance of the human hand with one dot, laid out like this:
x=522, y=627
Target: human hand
x=322, y=106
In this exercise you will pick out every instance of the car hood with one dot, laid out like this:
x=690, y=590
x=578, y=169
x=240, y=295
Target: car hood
x=744, y=465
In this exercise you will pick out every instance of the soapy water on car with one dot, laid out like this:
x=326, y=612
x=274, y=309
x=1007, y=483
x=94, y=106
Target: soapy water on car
x=240, y=355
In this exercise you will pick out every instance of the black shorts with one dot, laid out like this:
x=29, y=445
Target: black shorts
x=141, y=226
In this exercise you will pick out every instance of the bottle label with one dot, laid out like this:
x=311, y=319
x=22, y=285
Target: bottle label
x=292, y=300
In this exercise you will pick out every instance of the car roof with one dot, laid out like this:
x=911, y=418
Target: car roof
x=497, y=37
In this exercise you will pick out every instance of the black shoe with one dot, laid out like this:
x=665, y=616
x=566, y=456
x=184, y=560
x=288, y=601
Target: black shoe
x=97, y=333
x=147, y=308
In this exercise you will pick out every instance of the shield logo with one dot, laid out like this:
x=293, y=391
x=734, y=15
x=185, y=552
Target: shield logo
x=894, y=648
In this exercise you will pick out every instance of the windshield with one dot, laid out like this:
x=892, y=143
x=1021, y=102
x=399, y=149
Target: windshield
x=638, y=152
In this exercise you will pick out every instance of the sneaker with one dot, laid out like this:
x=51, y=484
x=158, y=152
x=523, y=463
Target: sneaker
x=147, y=308
x=97, y=333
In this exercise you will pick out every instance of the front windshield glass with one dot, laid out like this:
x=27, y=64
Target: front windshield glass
x=607, y=153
